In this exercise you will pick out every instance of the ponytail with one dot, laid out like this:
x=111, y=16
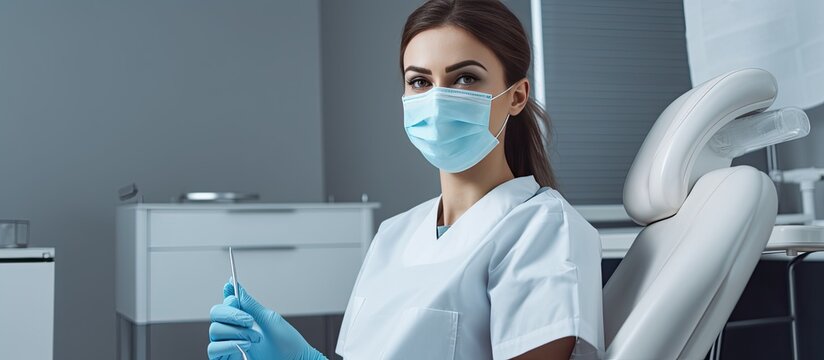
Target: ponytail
x=524, y=146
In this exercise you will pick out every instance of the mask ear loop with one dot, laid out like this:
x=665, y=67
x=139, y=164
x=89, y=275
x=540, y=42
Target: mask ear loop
x=507, y=115
x=503, y=92
x=502, y=127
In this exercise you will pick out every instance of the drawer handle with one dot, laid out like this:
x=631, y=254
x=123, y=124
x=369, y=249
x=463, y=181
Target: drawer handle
x=264, y=211
x=262, y=247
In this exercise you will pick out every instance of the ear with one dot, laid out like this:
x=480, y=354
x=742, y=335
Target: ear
x=520, y=96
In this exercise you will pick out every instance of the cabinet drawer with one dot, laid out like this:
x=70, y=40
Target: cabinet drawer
x=184, y=285
x=175, y=228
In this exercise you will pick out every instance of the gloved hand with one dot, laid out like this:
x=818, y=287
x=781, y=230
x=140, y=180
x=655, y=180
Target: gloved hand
x=276, y=339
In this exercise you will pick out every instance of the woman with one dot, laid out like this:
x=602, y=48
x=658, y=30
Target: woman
x=499, y=265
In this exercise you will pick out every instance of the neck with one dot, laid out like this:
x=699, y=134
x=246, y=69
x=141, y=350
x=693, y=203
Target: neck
x=459, y=191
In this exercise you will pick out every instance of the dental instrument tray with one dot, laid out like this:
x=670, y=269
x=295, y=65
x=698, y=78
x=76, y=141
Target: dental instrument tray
x=217, y=197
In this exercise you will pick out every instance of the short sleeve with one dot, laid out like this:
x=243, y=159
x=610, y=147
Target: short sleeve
x=538, y=291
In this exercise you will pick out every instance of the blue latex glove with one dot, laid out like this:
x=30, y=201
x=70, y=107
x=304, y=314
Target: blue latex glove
x=276, y=339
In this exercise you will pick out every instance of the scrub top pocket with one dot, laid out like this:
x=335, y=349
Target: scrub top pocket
x=423, y=333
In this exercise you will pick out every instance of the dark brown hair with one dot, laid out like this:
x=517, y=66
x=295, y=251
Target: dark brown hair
x=495, y=25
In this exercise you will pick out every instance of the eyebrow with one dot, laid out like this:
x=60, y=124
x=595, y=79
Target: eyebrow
x=461, y=64
x=449, y=68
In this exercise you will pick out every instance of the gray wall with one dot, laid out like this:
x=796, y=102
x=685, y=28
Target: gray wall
x=365, y=147
x=173, y=95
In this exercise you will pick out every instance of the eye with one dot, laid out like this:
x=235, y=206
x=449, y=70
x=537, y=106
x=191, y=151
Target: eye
x=466, y=79
x=418, y=83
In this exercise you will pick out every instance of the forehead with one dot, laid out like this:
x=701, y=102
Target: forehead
x=443, y=46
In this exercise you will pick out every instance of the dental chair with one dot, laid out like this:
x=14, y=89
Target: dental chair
x=705, y=223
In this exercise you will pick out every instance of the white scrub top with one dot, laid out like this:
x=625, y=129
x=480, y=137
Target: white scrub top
x=517, y=270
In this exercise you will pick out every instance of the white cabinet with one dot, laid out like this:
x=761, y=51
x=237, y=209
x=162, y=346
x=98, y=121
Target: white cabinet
x=297, y=281
x=27, y=303
x=300, y=259
x=172, y=259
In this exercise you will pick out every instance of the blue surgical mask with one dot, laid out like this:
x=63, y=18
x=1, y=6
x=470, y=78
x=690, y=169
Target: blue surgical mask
x=451, y=126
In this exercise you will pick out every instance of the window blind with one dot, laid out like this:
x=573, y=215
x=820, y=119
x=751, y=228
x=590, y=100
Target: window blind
x=611, y=67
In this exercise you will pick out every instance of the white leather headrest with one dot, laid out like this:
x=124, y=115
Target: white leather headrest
x=664, y=170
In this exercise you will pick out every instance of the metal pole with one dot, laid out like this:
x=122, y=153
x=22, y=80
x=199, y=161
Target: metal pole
x=791, y=286
x=772, y=160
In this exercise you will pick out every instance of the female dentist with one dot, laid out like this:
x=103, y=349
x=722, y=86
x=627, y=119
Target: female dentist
x=499, y=265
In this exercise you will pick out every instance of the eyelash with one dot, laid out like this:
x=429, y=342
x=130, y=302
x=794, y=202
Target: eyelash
x=412, y=81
